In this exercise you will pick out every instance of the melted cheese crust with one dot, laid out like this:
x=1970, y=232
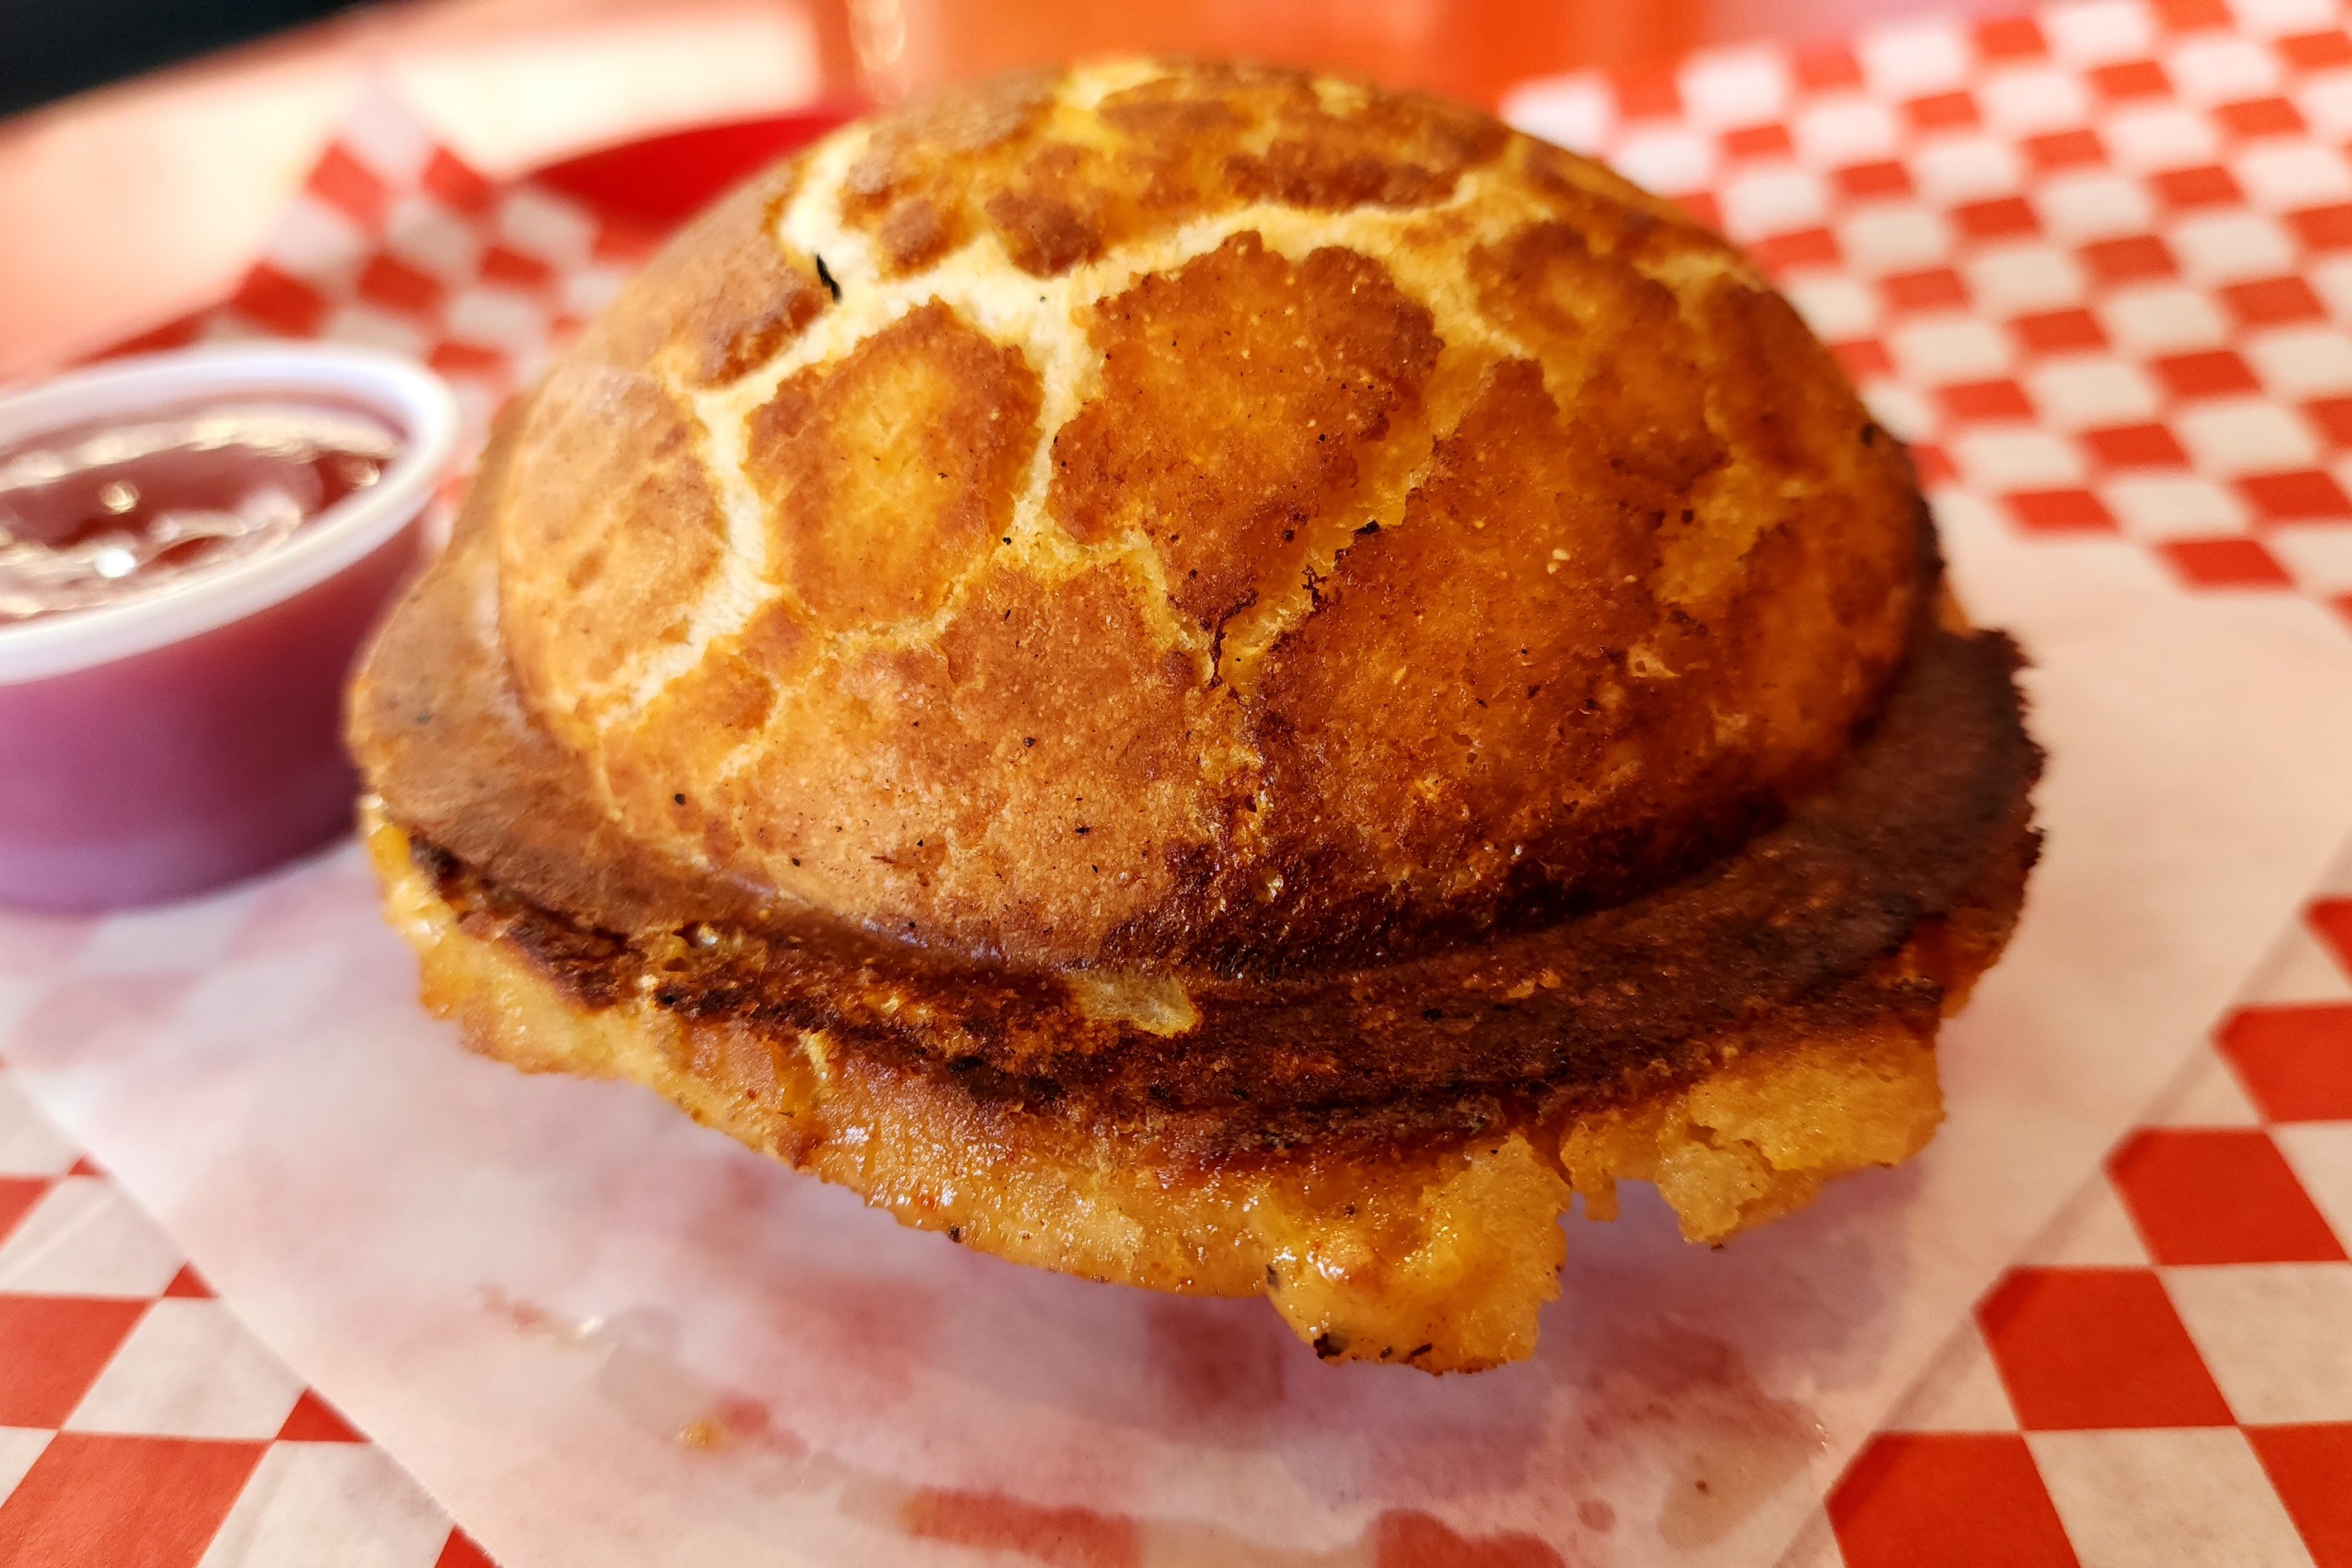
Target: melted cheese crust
x=1439, y=1258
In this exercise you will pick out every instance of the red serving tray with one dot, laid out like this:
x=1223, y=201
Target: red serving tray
x=656, y=182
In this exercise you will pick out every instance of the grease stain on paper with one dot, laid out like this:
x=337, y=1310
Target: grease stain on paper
x=1746, y=1444
x=642, y=1377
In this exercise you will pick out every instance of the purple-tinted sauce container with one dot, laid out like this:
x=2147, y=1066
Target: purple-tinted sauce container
x=164, y=744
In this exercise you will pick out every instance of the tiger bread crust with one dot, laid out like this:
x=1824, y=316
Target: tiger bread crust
x=1215, y=678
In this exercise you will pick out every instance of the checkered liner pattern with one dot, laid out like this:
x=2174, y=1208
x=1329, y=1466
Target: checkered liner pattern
x=142, y=1425
x=395, y=243
x=2096, y=263
x=2167, y=1377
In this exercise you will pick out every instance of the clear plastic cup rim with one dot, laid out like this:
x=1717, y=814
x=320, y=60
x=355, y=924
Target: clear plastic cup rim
x=412, y=398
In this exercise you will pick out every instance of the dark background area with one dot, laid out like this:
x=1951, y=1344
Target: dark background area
x=52, y=48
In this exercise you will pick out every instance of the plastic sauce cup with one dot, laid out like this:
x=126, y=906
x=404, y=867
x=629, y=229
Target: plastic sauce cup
x=169, y=743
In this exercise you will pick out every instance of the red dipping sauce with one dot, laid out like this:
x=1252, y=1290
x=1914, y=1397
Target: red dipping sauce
x=104, y=513
x=192, y=549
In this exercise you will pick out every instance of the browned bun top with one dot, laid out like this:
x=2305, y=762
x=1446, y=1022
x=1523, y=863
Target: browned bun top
x=1165, y=515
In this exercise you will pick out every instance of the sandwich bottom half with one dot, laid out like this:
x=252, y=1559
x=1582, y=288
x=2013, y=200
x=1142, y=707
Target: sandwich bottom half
x=1436, y=1250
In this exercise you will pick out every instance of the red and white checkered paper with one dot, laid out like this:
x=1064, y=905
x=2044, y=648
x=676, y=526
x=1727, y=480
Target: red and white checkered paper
x=394, y=243
x=2097, y=265
x=2167, y=1376
x=140, y=1422
x=2096, y=262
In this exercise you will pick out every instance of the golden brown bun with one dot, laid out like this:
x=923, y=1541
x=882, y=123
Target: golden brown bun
x=1418, y=506
x=1287, y=673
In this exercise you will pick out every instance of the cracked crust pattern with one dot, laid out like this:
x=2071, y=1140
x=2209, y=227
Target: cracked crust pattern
x=1488, y=538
